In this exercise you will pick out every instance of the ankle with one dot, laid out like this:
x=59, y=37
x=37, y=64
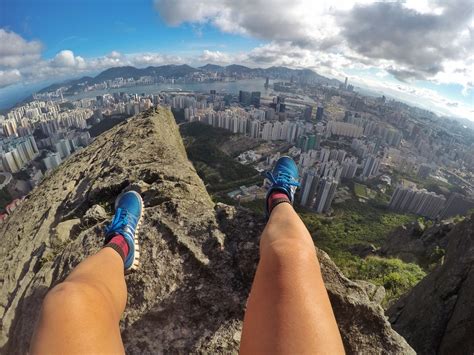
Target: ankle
x=120, y=245
x=275, y=198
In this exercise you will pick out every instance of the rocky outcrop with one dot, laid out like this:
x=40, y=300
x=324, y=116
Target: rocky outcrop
x=437, y=316
x=198, y=258
x=413, y=243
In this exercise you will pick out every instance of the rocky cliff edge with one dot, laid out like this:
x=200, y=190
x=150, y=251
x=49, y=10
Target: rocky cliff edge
x=198, y=258
x=437, y=315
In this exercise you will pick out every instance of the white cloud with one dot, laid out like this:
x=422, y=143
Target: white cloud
x=215, y=57
x=16, y=52
x=66, y=64
x=153, y=59
x=65, y=58
x=9, y=77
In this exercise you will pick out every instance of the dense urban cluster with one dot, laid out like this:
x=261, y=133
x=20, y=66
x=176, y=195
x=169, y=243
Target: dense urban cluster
x=372, y=140
x=336, y=135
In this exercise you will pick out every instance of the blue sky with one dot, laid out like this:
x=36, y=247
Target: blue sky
x=94, y=28
x=46, y=41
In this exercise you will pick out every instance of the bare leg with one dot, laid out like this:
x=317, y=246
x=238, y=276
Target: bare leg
x=82, y=314
x=288, y=310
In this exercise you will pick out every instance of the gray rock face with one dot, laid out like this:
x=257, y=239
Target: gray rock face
x=437, y=315
x=197, y=258
x=414, y=243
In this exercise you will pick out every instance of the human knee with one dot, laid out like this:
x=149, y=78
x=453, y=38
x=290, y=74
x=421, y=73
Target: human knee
x=294, y=251
x=70, y=296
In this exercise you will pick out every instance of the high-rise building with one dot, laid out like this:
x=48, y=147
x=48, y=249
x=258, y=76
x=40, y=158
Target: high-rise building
x=308, y=142
x=279, y=101
x=245, y=98
x=255, y=99
x=349, y=168
x=370, y=167
x=309, y=187
x=254, y=129
x=308, y=112
x=326, y=192
x=10, y=128
x=9, y=162
x=343, y=129
x=457, y=205
x=319, y=182
x=319, y=113
x=63, y=148
x=52, y=161
x=420, y=202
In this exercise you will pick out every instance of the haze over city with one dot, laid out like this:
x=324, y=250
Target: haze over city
x=420, y=52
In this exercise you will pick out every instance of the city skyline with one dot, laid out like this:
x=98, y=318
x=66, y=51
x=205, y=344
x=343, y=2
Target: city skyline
x=417, y=51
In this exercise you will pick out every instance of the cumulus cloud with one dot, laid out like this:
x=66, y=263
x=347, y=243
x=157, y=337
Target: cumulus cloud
x=9, y=77
x=16, y=52
x=67, y=59
x=418, y=43
x=153, y=59
x=279, y=20
x=215, y=57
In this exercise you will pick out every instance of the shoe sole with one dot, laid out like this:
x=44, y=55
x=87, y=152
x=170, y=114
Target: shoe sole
x=136, y=254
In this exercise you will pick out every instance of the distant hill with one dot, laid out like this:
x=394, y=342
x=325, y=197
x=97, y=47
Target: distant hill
x=213, y=68
x=68, y=83
x=180, y=71
x=272, y=72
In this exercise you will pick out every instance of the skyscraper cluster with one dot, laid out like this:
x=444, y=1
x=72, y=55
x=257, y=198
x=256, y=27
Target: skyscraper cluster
x=15, y=153
x=420, y=202
x=249, y=98
x=362, y=148
x=286, y=131
x=319, y=186
x=343, y=129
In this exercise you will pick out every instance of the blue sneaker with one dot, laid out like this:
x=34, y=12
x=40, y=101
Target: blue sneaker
x=284, y=177
x=126, y=222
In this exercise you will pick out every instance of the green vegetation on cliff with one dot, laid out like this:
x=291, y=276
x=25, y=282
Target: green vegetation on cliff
x=396, y=276
x=218, y=170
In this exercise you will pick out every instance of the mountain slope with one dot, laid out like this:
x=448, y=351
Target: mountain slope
x=198, y=258
x=437, y=315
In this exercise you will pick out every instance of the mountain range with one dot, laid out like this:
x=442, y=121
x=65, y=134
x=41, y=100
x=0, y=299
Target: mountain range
x=180, y=71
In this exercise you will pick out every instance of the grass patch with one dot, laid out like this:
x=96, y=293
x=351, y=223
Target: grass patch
x=396, y=276
x=360, y=191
